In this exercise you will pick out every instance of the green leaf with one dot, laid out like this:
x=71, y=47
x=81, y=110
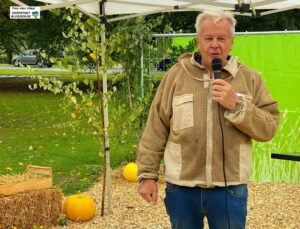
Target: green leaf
x=86, y=81
x=56, y=90
x=74, y=100
x=90, y=22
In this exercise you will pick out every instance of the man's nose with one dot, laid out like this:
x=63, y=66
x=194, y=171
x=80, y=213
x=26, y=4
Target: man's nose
x=215, y=43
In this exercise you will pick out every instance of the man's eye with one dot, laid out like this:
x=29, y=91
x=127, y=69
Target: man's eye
x=221, y=39
x=208, y=38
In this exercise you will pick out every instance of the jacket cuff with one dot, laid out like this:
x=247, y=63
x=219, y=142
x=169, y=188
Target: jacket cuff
x=147, y=176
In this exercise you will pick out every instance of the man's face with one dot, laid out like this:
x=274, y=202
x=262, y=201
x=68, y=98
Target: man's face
x=215, y=41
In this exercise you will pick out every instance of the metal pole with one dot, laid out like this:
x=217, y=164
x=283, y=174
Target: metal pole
x=236, y=33
x=105, y=117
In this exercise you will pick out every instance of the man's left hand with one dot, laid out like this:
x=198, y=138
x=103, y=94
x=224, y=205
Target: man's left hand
x=223, y=94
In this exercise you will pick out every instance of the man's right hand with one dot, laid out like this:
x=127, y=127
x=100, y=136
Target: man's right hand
x=148, y=190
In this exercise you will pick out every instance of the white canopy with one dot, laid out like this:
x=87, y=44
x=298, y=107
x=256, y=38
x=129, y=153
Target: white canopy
x=133, y=8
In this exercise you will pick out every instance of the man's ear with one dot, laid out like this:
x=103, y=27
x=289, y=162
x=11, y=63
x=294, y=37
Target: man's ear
x=232, y=41
x=198, y=42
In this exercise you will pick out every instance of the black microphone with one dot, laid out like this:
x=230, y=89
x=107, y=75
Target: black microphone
x=216, y=65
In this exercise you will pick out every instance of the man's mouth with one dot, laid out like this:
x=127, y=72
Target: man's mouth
x=215, y=55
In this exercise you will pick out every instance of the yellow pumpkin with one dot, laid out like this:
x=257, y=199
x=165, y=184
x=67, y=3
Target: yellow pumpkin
x=79, y=207
x=130, y=172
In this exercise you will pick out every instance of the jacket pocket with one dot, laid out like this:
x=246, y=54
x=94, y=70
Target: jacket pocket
x=238, y=191
x=172, y=159
x=183, y=112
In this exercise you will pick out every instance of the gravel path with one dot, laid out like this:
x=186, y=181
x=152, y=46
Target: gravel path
x=269, y=206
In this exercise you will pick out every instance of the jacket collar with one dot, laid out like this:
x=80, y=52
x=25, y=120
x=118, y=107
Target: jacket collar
x=231, y=66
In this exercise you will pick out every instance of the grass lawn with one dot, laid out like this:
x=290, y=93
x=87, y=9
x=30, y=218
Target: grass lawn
x=30, y=134
x=63, y=74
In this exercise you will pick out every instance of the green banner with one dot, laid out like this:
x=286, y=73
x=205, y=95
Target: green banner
x=276, y=58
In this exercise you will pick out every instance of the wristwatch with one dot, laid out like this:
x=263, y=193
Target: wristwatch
x=239, y=104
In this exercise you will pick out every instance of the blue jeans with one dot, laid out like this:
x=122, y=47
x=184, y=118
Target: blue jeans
x=188, y=206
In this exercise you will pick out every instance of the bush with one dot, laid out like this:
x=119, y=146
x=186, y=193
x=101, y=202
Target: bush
x=3, y=58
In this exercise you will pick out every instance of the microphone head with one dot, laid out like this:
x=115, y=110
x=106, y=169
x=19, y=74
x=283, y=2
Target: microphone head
x=216, y=64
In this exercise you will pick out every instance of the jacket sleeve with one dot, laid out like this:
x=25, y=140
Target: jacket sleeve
x=156, y=132
x=257, y=117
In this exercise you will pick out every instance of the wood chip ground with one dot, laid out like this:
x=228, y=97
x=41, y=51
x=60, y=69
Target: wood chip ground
x=269, y=206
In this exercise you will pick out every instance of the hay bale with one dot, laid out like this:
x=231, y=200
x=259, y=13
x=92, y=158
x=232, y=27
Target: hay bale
x=29, y=199
x=35, y=177
x=33, y=207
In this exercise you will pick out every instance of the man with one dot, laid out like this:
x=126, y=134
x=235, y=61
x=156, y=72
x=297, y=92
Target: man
x=202, y=127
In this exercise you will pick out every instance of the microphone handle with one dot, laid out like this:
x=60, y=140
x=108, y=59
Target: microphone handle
x=217, y=75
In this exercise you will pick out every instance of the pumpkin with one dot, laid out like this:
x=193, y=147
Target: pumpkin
x=79, y=207
x=130, y=172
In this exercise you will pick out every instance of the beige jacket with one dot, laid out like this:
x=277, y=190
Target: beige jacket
x=183, y=126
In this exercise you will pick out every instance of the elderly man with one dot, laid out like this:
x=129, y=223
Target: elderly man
x=202, y=127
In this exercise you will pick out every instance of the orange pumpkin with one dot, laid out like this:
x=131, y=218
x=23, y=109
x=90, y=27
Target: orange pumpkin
x=79, y=207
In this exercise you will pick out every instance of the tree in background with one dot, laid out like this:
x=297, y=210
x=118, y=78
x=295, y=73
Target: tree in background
x=180, y=22
x=10, y=39
x=184, y=22
x=19, y=35
x=46, y=33
x=126, y=44
x=288, y=20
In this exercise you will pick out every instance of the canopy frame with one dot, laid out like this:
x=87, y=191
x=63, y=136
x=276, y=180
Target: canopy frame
x=239, y=7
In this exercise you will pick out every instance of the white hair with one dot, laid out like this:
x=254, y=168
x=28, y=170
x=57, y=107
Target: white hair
x=216, y=16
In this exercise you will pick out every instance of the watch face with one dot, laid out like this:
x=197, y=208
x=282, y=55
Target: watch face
x=239, y=103
x=240, y=99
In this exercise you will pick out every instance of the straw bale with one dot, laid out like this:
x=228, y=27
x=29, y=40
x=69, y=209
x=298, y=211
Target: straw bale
x=31, y=172
x=35, y=177
x=33, y=207
x=14, y=178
